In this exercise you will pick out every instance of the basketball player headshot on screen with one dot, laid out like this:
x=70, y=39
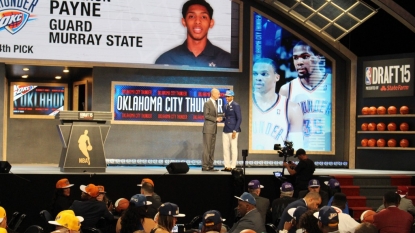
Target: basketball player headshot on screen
x=312, y=91
x=196, y=50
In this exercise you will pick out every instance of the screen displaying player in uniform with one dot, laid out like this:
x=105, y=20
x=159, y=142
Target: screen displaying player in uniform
x=304, y=79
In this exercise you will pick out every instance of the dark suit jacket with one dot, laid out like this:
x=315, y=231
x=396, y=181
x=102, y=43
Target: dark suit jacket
x=233, y=117
x=324, y=196
x=286, y=217
x=278, y=206
x=393, y=220
x=91, y=211
x=210, y=114
x=262, y=205
x=251, y=220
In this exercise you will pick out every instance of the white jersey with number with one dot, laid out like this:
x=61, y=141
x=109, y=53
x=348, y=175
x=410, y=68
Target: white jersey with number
x=270, y=126
x=315, y=105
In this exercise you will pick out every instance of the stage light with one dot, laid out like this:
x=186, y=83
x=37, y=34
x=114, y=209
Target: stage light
x=25, y=69
x=58, y=77
x=66, y=70
x=25, y=76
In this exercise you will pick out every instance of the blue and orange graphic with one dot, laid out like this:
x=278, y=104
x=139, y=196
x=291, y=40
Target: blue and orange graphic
x=368, y=76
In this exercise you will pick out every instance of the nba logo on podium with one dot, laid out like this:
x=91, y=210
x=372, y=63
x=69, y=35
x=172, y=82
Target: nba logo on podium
x=368, y=76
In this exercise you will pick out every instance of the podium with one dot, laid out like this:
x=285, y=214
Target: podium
x=83, y=135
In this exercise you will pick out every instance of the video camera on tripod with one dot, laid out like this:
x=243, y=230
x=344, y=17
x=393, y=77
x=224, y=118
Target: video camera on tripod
x=286, y=151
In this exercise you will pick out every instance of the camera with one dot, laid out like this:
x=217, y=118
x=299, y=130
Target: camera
x=277, y=174
x=286, y=151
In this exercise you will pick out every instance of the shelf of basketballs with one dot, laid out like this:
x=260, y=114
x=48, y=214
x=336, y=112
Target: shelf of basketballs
x=381, y=128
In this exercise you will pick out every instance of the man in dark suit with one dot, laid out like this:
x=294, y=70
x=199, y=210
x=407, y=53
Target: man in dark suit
x=232, y=119
x=314, y=186
x=251, y=218
x=312, y=200
x=392, y=219
x=210, y=112
x=262, y=203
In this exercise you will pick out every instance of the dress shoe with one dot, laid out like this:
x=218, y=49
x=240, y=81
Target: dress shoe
x=205, y=169
x=226, y=169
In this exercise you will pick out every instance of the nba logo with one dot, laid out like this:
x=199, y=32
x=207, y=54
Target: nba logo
x=368, y=76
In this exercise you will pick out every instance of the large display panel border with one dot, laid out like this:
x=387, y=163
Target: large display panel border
x=333, y=84
x=167, y=85
x=33, y=116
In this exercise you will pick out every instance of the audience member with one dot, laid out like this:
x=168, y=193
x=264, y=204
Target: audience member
x=62, y=199
x=262, y=203
x=104, y=198
x=367, y=216
x=166, y=218
x=405, y=204
x=366, y=227
x=3, y=218
x=89, y=207
x=392, y=219
x=147, y=189
x=212, y=221
x=328, y=219
x=66, y=221
x=312, y=200
x=314, y=186
x=347, y=223
x=250, y=216
x=134, y=218
x=309, y=223
x=295, y=213
x=279, y=204
x=334, y=187
x=148, y=180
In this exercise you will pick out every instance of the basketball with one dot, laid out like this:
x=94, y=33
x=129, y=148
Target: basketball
x=364, y=126
x=391, y=126
x=371, y=142
x=392, y=110
x=381, y=126
x=89, y=148
x=364, y=142
x=365, y=110
x=392, y=142
x=121, y=204
x=371, y=126
x=404, y=143
x=404, y=110
x=372, y=110
x=381, y=142
x=404, y=126
x=381, y=110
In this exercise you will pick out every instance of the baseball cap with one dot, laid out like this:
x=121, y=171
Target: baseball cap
x=297, y=212
x=314, y=183
x=254, y=184
x=229, y=93
x=146, y=180
x=367, y=216
x=101, y=189
x=247, y=197
x=139, y=200
x=287, y=187
x=2, y=230
x=402, y=191
x=63, y=183
x=2, y=214
x=211, y=218
x=90, y=189
x=332, y=183
x=327, y=216
x=300, y=151
x=67, y=219
x=170, y=209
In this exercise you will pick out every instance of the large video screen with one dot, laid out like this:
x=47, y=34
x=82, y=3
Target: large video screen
x=291, y=91
x=152, y=33
x=37, y=100
x=162, y=104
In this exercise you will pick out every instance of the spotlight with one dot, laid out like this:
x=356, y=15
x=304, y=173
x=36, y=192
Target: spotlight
x=25, y=69
x=58, y=77
x=66, y=70
x=25, y=76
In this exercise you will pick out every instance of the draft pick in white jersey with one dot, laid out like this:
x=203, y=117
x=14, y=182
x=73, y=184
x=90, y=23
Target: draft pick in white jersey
x=315, y=105
x=270, y=126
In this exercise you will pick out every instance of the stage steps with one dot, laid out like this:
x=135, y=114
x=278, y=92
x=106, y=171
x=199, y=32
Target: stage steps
x=366, y=192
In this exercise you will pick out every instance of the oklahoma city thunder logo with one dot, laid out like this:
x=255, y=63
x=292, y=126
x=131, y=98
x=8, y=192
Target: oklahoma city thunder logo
x=15, y=14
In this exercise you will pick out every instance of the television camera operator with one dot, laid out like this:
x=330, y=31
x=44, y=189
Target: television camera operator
x=303, y=171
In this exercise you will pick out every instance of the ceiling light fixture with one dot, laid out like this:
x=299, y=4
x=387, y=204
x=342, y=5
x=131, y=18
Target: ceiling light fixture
x=25, y=69
x=58, y=77
x=66, y=70
x=25, y=76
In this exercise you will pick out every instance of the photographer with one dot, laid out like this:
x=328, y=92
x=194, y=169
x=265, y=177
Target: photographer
x=303, y=171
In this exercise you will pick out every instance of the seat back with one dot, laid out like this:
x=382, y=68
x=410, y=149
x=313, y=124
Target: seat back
x=13, y=220
x=271, y=228
x=19, y=221
x=34, y=229
x=90, y=230
x=46, y=217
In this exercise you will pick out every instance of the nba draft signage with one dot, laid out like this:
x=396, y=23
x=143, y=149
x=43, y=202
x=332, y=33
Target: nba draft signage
x=388, y=78
x=103, y=31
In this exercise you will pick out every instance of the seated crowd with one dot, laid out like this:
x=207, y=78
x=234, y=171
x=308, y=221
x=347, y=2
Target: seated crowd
x=314, y=211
